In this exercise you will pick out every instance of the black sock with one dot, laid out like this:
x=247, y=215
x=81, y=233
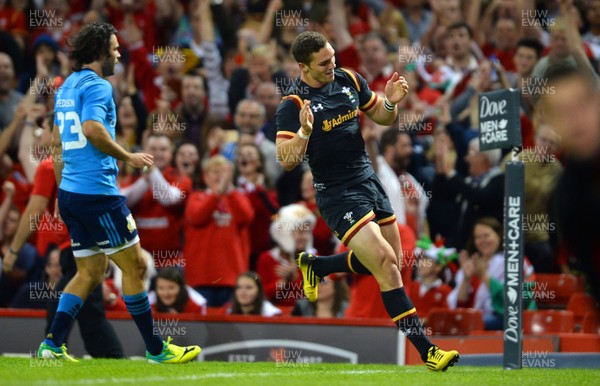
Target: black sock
x=139, y=308
x=68, y=308
x=342, y=262
x=403, y=313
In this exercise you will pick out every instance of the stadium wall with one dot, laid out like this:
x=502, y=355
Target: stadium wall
x=303, y=341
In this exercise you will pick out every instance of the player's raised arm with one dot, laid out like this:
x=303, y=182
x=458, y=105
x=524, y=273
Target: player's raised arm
x=97, y=134
x=291, y=148
x=385, y=110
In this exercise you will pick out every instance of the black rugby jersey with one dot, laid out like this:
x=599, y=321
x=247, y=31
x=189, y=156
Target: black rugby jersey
x=336, y=150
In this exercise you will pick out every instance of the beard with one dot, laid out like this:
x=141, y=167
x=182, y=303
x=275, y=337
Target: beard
x=108, y=67
x=402, y=163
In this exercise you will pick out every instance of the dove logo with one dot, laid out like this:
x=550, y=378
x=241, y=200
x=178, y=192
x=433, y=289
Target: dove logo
x=511, y=333
x=489, y=108
x=512, y=295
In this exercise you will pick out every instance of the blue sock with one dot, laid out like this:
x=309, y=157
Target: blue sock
x=139, y=308
x=68, y=307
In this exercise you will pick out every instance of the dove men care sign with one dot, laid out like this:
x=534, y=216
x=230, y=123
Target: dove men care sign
x=500, y=128
x=499, y=121
x=514, y=195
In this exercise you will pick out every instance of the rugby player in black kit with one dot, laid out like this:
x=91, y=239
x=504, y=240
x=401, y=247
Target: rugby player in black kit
x=318, y=122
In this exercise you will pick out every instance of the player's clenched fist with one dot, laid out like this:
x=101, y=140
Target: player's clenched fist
x=306, y=118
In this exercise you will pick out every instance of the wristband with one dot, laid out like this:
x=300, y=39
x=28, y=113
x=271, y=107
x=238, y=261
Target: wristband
x=302, y=135
x=389, y=106
x=12, y=251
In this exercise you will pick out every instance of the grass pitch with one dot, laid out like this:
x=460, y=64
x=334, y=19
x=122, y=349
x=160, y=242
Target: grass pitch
x=24, y=371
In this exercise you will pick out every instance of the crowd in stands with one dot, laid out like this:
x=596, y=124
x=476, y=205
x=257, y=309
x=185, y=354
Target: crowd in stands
x=198, y=86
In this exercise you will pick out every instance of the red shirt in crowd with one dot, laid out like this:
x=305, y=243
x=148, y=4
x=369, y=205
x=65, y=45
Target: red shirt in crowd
x=265, y=206
x=277, y=290
x=160, y=226
x=143, y=19
x=22, y=187
x=427, y=298
x=216, y=248
x=13, y=21
x=349, y=58
x=504, y=57
x=190, y=307
x=50, y=230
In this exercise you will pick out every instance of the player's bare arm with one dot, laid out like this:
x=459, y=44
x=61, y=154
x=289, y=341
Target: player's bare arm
x=96, y=133
x=385, y=110
x=57, y=154
x=291, y=151
x=29, y=220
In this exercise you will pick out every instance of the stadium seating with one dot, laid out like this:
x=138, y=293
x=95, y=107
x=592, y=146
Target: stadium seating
x=590, y=323
x=454, y=322
x=547, y=322
x=580, y=304
x=557, y=289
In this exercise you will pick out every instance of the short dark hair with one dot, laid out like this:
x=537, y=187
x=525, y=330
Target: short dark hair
x=534, y=44
x=306, y=44
x=91, y=43
x=374, y=36
x=390, y=138
x=459, y=25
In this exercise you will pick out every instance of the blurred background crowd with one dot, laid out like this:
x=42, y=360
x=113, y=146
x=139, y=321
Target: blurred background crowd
x=198, y=85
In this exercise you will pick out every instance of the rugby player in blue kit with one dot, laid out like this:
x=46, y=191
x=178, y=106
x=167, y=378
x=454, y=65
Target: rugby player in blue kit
x=100, y=224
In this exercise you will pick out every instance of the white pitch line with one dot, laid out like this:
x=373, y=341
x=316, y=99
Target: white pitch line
x=194, y=377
